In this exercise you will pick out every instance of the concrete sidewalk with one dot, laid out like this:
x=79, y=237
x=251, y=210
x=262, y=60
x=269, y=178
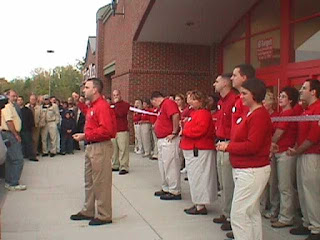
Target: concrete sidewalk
x=56, y=190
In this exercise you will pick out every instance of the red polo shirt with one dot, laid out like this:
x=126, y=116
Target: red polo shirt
x=224, y=115
x=121, y=110
x=100, y=122
x=238, y=110
x=251, y=140
x=198, y=131
x=145, y=118
x=310, y=130
x=164, y=126
x=153, y=118
x=288, y=138
x=136, y=117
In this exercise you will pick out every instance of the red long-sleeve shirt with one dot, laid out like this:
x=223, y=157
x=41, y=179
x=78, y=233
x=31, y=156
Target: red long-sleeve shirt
x=198, y=131
x=100, y=122
x=121, y=110
x=251, y=140
x=238, y=110
x=153, y=118
x=310, y=130
x=136, y=117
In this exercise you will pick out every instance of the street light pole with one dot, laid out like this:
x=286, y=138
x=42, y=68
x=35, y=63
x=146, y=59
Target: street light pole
x=50, y=51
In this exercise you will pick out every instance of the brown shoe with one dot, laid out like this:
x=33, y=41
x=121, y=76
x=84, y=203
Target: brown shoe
x=79, y=216
x=195, y=211
x=220, y=219
x=226, y=226
x=281, y=225
x=273, y=220
x=230, y=235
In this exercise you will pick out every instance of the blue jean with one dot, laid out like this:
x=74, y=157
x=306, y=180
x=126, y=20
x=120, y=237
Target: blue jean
x=66, y=144
x=14, y=159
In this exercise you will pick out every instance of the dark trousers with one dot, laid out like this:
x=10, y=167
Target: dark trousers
x=27, y=144
x=66, y=144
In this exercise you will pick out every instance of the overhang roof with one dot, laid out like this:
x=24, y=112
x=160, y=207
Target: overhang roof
x=91, y=46
x=201, y=22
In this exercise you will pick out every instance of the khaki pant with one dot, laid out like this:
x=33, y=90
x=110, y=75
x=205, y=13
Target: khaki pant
x=226, y=181
x=308, y=179
x=155, y=143
x=169, y=165
x=120, y=157
x=35, y=138
x=249, y=184
x=286, y=174
x=51, y=129
x=98, y=181
x=146, y=137
x=138, y=140
x=274, y=195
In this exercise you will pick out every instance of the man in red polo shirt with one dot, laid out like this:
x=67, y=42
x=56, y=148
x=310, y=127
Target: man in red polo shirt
x=167, y=130
x=308, y=162
x=120, y=158
x=223, y=86
x=99, y=130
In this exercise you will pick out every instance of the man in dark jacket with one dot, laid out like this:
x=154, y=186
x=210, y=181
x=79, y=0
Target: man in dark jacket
x=26, y=131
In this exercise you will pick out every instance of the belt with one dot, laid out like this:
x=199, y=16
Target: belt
x=88, y=143
x=222, y=140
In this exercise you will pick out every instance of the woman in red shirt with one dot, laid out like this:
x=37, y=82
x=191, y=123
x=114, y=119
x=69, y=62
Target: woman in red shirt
x=249, y=150
x=283, y=138
x=198, y=147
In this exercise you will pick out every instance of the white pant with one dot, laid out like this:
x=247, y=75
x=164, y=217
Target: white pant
x=202, y=175
x=146, y=137
x=155, y=143
x=245, y=212
x=138, y=139
x=308, y=182
x=169, y=165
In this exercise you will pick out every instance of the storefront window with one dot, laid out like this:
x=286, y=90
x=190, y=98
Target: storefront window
x=306, y=40
x=265, y=49
x=238, y=33
x=233, y=54
x=265, y=16
x=304, y=8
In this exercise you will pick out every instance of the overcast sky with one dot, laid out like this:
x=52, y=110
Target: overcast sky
x=28, y=28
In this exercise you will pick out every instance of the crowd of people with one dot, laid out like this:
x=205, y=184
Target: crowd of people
x=238, y=142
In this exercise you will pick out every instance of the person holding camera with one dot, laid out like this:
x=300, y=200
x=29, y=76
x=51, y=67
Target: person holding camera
x=198, y=148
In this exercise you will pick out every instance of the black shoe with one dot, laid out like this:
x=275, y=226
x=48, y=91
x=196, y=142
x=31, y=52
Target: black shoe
x=115, y=169
x=226, y=226
x=123, y=172
x=160, y=193
x=220, y=219
x=97, y=222
x=313, y=236
x=52, y=155
x=80, y=216
x=170, y=196
x=62, y=153
x=186, y=179
x=45, y=155
x=34, y=159
x=230, y=235
x=300, y=230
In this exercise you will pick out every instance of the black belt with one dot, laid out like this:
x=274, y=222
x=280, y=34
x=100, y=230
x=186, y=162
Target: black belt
x=88, y=143
x=222, y=140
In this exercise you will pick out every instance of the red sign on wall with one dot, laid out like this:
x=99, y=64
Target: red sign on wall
x=265, y=48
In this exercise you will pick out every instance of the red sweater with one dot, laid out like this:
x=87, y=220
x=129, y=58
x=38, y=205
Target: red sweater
x=121, y=110
x=251, y=140
x=198, y=131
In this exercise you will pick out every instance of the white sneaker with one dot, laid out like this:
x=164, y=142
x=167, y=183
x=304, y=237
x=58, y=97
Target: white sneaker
x=183, y=170
x=16, y=188
x=139, y=152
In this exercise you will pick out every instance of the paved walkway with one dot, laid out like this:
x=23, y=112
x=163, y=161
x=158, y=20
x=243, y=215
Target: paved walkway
x=56, y=190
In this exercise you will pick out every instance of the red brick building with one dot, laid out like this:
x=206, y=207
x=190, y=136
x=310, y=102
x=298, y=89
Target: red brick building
x=175, y=46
